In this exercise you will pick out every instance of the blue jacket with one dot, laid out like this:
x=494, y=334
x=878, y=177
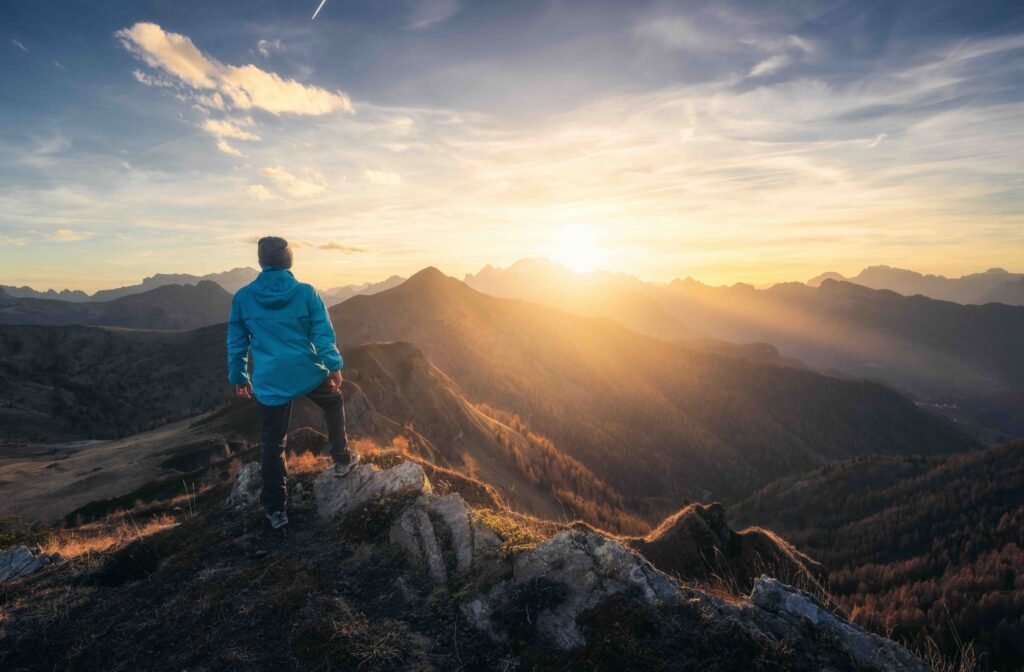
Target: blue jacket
x=287, y=326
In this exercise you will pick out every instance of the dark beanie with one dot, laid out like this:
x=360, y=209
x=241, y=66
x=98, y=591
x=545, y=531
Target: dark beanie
x=275, y=252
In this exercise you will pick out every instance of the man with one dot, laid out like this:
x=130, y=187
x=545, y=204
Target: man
x=294, y=354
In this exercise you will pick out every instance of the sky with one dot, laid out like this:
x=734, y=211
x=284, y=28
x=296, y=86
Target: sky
x=724, y=140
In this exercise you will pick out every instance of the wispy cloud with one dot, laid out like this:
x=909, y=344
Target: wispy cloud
x=344, y=249
x=429, y=13
x=268, y=47
x=19, y=45
x=382, y=177
x=70, y=235
x=310, y=185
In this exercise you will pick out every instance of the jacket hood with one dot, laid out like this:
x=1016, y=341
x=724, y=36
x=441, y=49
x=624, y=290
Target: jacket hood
x=274, y=287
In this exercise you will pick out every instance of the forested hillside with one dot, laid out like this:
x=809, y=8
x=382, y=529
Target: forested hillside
x=916, y=547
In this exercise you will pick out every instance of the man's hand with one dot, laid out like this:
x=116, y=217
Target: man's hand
x=334, y=380
x=244, y=391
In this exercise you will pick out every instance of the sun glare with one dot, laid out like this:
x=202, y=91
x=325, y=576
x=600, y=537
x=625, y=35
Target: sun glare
x=577, y=248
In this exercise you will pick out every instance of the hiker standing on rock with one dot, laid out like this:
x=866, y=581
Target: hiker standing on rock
x=294, y=354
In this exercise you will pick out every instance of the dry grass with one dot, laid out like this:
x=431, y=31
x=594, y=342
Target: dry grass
x=307, y=463
x=100, y=536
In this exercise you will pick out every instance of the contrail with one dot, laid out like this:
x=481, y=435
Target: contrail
x=322, y=3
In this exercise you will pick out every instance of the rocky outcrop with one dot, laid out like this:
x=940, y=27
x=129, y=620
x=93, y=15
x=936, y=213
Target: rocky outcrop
x=513, y=588
x=337, y=496
x=587, y=568
x=872, y=651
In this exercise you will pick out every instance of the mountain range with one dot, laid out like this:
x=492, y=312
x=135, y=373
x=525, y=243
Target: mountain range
x=966, y=361
x=995, y=285
x=231, y=281
x=173, y=306
x=544, y=412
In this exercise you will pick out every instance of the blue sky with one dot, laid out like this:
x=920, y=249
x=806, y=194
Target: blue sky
x=750, y=141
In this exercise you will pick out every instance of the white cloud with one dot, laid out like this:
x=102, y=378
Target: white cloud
x=69, y=235
x=260, y=193
x=308, y=186
x=246, y=86
x=12, y=242
x=19, y=45
x=225, y=146
x=679, y=33
x=770, y=65
x=878, y=140
x=268, y=47
x=428, y=13
x=382, y=177
x=230, y=128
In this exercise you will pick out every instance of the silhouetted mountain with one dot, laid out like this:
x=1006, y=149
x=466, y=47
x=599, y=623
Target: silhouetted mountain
x=339, y=294
x=976, y=288
x=165, y=307
x=231, y=281
x=657, y=421
x=916, y=547
x=26, y=292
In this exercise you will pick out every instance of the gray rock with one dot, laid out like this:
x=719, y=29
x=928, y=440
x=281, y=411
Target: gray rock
x=454, y=515
x=246, y=490
x=866, y=648
x=337, y=496
x=591, y=567
x=414, y=533
x=18, y=562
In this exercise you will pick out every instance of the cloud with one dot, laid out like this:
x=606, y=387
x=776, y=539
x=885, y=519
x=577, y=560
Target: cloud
x=382, y=177
x=19, y=45
x=230, y=128
x=69, y=235
x=225, y=146
x=293, y=186
x=11, y=242
x=770, y=65
x=679, y=33
x=428, y=13
x=878, y=140
x=260, y=193
x=344, y=249
x=268, y=47
x=246, y=87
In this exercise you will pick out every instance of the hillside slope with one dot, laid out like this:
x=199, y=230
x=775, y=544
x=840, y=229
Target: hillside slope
x=659, y=422
x=916, y=547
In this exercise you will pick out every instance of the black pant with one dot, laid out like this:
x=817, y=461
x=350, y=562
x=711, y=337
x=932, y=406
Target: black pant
x=274, y=437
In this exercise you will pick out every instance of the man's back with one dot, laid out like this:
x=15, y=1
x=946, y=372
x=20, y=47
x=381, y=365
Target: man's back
x=293, y=343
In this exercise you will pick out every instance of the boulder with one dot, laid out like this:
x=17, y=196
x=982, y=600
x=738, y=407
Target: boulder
x=414, y=533
x=869, y=650
x=337, y=496
x=19, y=562
x=246, y=490
x=453, y=513
x=589, y=567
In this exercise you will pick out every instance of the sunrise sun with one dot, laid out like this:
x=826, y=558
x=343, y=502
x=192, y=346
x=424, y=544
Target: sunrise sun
x=577, y=247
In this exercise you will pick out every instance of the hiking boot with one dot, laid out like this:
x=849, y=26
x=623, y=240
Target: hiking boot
x=341, y=470
x=278, y=519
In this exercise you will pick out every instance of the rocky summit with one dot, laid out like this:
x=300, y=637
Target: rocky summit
x=553, y=590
